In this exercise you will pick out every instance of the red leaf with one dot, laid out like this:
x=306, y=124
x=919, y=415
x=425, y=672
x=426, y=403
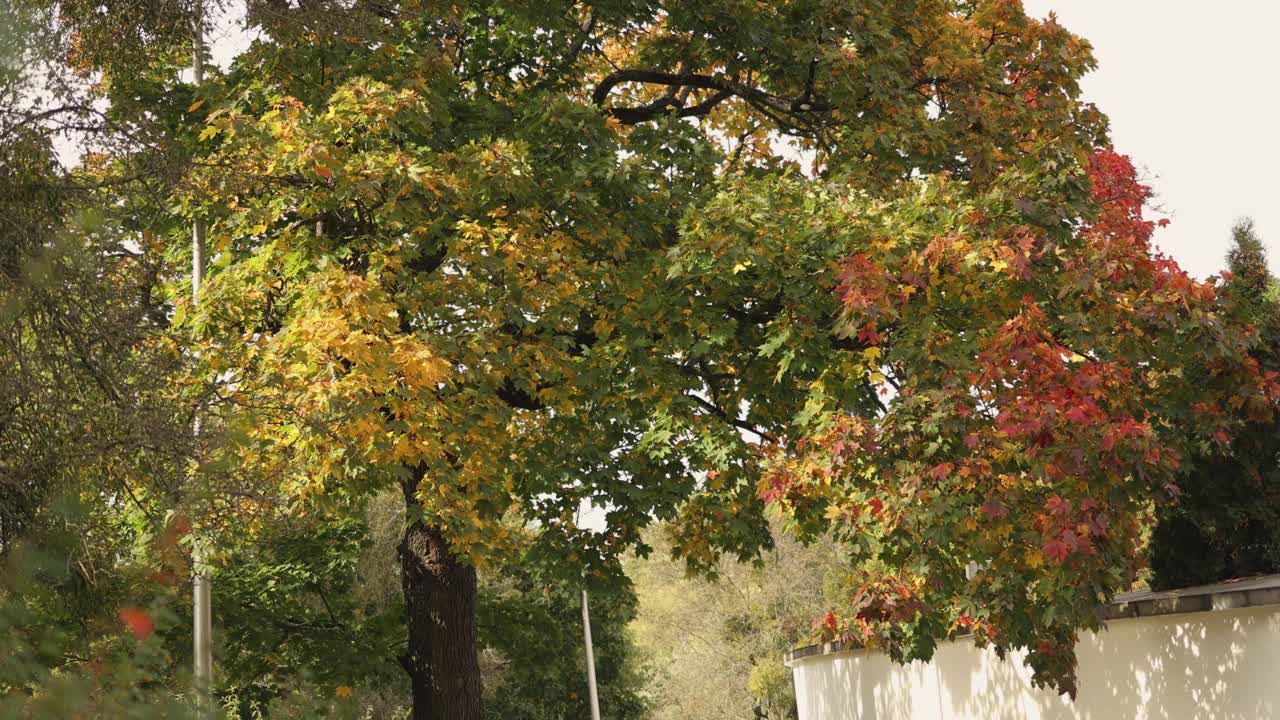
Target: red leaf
x=1058, y=506
x=1056, y=549
x=1078, y=415
x=137, y=621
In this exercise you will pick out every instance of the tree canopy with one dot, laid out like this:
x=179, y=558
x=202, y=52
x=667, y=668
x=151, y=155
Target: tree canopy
x=872, y=265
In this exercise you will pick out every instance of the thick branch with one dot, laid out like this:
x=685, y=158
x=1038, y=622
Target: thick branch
x=724, y=89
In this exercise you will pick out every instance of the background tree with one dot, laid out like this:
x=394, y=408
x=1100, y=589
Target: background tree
x=714, y=649
x=1224, y=520
x=91, y=444
x=530, y=627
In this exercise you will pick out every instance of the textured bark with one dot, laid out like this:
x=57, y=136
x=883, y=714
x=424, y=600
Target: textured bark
x=440, y=598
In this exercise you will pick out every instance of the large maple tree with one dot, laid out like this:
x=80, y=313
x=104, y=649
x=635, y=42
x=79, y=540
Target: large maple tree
x=1043, y=387
x=865, y=261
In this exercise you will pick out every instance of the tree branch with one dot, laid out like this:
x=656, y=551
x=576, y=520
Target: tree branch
x=730, y=419
x=724, y=89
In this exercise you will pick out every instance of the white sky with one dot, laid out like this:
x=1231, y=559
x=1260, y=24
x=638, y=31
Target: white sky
x=1191, y=92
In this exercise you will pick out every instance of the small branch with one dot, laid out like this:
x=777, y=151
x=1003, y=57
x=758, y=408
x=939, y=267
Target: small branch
x=719, y=412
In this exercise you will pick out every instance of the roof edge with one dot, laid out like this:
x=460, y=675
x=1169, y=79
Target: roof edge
x=1229, y=595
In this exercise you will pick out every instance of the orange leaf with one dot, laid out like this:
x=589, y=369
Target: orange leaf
x=137, y=621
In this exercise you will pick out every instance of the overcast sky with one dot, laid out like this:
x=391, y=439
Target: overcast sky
x=1190, y=88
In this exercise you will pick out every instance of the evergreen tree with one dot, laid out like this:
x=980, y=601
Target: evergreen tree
x=1225, y=519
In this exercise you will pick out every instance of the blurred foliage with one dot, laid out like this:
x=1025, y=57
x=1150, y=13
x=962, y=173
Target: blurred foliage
x=85, y=631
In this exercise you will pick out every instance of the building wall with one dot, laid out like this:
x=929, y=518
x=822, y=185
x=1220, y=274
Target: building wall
x=1219, y=665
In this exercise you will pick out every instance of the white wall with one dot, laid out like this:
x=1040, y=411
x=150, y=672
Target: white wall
x=1220, y=665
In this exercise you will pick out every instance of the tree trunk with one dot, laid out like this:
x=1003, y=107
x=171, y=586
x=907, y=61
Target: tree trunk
x=440, y=598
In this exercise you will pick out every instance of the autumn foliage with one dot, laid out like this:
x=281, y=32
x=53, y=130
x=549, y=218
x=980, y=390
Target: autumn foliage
x=1040, y=389
x=507, y=261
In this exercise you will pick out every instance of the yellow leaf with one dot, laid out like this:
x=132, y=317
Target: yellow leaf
x=196, y=105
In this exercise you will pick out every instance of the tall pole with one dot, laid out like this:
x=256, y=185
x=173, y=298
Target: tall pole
x=591, y=659
x=201, y=588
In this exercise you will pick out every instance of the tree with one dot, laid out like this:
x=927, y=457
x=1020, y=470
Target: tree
x=84, y=352
x=1044, y=384
x=94, y=423
x=1223, y=520
x=512, y=259
x=1250, y=277
x=90, y=437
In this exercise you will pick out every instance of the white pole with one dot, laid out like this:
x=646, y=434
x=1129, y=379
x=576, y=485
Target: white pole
x=201, y=588
x=591, y=659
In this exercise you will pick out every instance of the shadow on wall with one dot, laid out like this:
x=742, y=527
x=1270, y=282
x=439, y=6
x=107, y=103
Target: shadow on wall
x=1222, y=665
x=1214, y=666
x=864, y=685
